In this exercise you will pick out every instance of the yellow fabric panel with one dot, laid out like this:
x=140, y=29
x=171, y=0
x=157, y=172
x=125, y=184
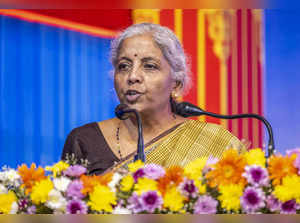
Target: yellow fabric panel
x=191, y=140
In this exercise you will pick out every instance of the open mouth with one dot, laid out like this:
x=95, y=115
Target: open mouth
x=132, y=95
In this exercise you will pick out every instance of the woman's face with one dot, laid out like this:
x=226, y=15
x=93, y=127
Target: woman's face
x=142, y=75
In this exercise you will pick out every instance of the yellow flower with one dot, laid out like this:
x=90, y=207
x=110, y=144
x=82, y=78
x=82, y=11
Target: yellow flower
x=173, y=199
x=127, y=183
x=289, y=189
x=102, y=199
x=230, y=196
x=58, y=167
x=135, y=166
x=6, y=202
x=145, y=184
x=201, y=187
x=256, y=157
x=40, y=191
x=193, y=170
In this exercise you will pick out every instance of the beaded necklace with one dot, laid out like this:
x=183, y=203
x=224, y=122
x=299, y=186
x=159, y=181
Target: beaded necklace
x=118, y=141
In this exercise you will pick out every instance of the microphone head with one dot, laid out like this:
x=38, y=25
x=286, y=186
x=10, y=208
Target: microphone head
x=187, y=109
x=181, y=109
x=120, y=111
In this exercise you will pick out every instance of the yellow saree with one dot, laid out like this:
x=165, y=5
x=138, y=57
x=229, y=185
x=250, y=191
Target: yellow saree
x=190, y=140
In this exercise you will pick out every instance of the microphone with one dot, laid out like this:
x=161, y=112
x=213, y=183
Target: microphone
x=187, y=109
x=122, y=111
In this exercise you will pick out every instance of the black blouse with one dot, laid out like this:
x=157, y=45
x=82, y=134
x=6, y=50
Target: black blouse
x=87, y=142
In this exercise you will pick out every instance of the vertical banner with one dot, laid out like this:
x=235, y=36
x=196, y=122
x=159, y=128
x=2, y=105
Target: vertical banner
x=224, y=49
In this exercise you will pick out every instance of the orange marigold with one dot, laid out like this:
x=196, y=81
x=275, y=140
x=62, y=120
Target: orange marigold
x=228, y=170
x=280, y=167
x=89, y=182
x=173, y=176
x=30, y=176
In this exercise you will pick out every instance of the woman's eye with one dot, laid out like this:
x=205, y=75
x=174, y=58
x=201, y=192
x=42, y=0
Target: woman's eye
x=123, y=66
x=151, y=66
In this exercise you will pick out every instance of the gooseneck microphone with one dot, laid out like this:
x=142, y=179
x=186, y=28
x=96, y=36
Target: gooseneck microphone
x=187, y=109
x=122, y=111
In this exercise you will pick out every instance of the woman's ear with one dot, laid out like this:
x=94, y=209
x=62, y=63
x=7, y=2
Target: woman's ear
x=178, y=87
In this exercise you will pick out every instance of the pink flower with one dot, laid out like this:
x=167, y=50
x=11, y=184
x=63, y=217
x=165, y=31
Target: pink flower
x=75, y=171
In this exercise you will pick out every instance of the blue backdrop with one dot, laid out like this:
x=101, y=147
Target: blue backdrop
x=282, y=85
x=51, y=80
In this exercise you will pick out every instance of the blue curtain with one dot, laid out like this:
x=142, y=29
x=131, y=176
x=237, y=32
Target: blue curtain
x=51, y=80
x=282, y=102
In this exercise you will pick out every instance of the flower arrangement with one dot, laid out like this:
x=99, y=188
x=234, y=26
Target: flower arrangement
x=237, y=183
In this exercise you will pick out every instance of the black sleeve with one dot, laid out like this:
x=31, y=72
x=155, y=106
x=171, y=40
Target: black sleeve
x=73, y=145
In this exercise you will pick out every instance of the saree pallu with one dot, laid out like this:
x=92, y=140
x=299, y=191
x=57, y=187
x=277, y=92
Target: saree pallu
x=190, y=140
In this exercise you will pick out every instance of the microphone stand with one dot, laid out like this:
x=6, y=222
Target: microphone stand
x=186, y=109
x=120, y=113
x=140, y=146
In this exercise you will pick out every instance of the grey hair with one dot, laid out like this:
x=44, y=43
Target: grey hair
x=168, y=43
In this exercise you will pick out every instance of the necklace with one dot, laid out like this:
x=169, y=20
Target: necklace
x=118, y=141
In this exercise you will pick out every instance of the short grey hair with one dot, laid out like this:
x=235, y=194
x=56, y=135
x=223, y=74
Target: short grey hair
x=168, y=43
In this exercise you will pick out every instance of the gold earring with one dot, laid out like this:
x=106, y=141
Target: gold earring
x=174, y=95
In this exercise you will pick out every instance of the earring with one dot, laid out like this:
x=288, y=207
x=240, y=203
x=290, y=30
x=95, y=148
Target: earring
x=174, y=95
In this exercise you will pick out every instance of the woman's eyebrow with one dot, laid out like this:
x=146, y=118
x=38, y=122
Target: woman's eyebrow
x=124, y=58
x=146, y=59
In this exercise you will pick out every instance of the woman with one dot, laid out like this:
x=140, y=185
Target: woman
x=150, y=73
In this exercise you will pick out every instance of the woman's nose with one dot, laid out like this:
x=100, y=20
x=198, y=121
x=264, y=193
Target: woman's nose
x=134, y=76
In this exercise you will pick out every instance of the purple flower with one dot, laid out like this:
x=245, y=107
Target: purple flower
x=297, y=163
x=188, y=188
x=134, y=203
x=153, y=171
x=75, y=171
x=150, y=200
x=256, y=175
x=273, y=204
x=289, y=207
x=23, y=203
x=74, y=189
x=205, y=205
x=209, y=163
x=252, y=199
x=31, y=210
x=138, y=174
x=76, y=206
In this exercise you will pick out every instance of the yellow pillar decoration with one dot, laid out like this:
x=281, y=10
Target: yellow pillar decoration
x=145, y=15
x=219, y=30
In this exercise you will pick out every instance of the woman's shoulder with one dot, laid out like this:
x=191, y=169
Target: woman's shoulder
x=208, y=126
x=84, y=129
x=216, y=132
x=92, y=127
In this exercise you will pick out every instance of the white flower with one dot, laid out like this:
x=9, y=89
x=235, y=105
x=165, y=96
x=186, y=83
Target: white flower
x=115, y=180
x=56, y=200
x=3, y=189
x=14, y=208
x=11, y=176
x=2, y=176
x=61, y=183
x=121, y=210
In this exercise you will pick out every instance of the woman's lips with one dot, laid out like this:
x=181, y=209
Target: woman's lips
x=132, y=95
x=132, y=98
